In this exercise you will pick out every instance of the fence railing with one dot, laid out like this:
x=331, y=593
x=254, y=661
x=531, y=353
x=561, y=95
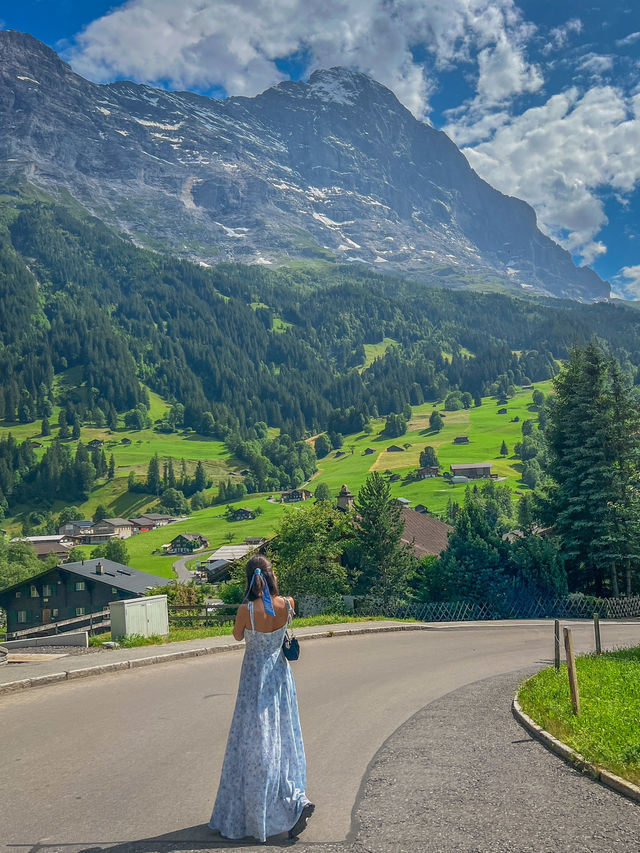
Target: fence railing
x=202, y=614
x=569, y=607
x=99, y=621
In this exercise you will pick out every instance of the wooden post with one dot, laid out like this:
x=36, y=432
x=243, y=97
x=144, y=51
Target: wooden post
x=596, y=630
x=556, y=644
x=571, y=667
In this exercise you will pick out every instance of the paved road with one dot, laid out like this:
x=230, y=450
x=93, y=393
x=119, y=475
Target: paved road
x=136, y=755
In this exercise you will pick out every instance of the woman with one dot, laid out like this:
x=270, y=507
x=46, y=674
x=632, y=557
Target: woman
x=262, y=786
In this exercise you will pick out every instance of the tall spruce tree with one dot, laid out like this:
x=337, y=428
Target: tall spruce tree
x=383, y=562
x=593, y=464
x=153, y=475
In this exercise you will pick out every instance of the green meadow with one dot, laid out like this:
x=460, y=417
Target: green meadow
x=483, y=425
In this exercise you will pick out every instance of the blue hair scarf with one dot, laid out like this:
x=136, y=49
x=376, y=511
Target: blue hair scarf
x=266, y=594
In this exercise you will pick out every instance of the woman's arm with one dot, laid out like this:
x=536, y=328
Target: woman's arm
x=240, y=623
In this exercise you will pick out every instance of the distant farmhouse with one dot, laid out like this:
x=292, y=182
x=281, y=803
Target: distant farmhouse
x=217, y=564
x=461, y=439
x=294, y=495
x=187, y=543
x=97, y=532
x=59, y=545
x=395, y=448
x=72, y=589
x=243, y=513
x=151, y=520
x=473, y=471
x=426, y=472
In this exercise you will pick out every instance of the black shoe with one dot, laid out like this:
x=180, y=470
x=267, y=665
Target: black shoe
x=301, y=824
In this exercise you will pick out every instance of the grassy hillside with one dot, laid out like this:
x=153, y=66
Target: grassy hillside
x=484, y=426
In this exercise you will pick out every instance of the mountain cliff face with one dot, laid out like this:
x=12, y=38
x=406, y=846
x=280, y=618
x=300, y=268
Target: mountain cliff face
x=334, y=167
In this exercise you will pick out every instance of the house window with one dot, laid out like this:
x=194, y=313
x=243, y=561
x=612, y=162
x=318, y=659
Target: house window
x=81, y=611
x=54, y=613
x=80, y=586
x=34, y=591
x=114, y=590
x=47, y=589
x=18, y=594
x=22, y=615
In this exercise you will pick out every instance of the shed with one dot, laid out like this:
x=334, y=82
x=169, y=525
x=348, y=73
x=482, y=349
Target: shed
x=145, y=616
x=472, y=470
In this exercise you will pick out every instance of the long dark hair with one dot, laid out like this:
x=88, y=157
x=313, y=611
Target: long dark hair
x=254, y=590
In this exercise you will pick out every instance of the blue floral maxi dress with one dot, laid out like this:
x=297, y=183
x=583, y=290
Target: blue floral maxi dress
x=263, y=780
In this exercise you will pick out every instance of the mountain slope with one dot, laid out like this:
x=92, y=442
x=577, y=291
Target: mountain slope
x=335, y=167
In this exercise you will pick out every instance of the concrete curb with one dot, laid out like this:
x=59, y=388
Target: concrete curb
x=617, y=783
x=116, y=666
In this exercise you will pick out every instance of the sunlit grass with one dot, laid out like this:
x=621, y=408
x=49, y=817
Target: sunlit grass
x=180, y=634
x=607, y=732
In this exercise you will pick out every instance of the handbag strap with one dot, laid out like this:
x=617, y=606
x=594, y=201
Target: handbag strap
x=290, y=613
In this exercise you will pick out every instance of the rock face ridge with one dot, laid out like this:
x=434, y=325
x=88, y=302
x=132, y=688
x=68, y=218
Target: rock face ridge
x=334, y=167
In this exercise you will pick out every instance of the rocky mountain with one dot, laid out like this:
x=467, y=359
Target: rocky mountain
x=332, y=168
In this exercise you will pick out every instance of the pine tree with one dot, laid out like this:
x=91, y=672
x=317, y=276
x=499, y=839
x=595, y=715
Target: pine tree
x=111, y=471
x=504, y=450
x=200, y=478
x=593, y=419
x=153, y=475
x=383, y=561
x=171, y=475
x=46, y=427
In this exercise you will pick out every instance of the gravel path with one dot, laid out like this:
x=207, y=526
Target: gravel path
x=462, y=776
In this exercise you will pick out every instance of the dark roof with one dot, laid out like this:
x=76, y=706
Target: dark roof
x=115, y=574
x=467, y=465
x=118, y=521
x=191, y=537
x=156, y=516
x=426, y=535
x=43, y=548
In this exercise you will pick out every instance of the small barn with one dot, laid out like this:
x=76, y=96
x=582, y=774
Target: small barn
x=472, y=470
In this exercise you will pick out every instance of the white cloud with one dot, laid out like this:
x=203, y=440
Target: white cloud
x=629, y=281
x=559, y=36
x=627, y=40
x=595, y=63
x=561, y=157
x=235, y=43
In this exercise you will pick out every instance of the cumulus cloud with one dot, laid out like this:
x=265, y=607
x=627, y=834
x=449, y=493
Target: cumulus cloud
x=628, y=280
x=561, y=157
x=235, y=44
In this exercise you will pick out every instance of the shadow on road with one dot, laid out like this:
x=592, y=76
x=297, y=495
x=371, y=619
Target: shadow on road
x=191, y=838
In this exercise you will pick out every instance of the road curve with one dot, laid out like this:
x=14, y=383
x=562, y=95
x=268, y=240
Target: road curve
x=138, y=754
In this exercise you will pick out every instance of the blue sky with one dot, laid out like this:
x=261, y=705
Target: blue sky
x=543, y=97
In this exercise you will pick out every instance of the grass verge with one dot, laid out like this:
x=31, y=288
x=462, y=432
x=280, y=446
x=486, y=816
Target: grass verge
x=179, y=634
x=607, y=733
